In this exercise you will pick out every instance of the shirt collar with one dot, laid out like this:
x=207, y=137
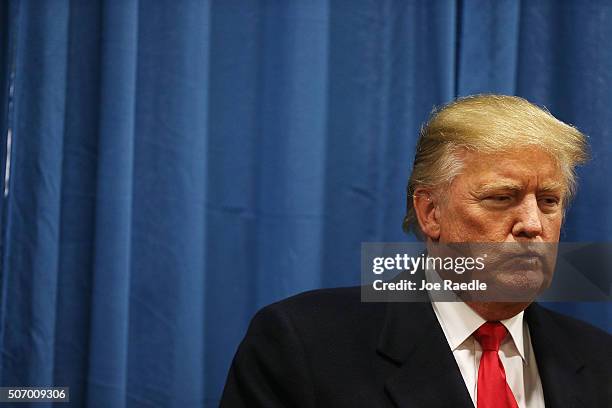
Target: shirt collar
x=459, y=321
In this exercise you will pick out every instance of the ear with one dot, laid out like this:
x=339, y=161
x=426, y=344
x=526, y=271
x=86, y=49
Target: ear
x=426, y=210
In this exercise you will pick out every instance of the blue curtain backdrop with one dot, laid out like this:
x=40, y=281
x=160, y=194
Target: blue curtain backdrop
x=175, y=165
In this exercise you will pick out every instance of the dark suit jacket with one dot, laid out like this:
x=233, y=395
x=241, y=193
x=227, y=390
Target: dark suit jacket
x=328, y=349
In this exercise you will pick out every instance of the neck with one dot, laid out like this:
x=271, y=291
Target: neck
x=496, y=311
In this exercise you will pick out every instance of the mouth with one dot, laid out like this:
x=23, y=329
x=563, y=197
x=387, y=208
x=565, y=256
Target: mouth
x=526, y=260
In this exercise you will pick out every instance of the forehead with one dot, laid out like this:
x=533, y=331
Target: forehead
x=517, y=168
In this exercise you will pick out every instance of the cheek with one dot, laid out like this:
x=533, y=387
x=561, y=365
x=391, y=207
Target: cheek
x=552, y=227
x=469, y=222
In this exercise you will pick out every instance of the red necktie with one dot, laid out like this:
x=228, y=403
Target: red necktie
x=493, y=391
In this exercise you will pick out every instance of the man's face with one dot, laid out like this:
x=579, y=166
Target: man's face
x=511, y=197
x=509, y=200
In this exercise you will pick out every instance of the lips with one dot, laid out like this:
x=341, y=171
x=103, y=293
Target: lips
x=533, y=260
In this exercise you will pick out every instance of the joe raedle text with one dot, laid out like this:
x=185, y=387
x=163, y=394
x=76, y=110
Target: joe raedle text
x=447, y=284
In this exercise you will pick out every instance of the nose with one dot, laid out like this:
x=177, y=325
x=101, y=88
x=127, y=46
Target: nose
x=528, y=224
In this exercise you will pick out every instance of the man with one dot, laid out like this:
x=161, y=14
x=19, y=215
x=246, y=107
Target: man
x=493, y=169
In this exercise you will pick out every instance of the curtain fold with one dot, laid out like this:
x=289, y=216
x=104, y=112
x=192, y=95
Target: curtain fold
x=488, y=47
x=32, y=221
x=177, y=165
x=113, y=205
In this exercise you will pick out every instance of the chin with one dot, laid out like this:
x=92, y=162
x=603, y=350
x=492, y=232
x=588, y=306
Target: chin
x=518, y=285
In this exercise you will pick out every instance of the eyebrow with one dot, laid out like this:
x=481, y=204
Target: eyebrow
x=497, y=186
x=552, y=186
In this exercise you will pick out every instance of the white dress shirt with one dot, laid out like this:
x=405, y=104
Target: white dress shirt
x=459, y=321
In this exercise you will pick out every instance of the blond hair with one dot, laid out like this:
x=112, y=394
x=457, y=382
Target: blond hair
x=489, y=124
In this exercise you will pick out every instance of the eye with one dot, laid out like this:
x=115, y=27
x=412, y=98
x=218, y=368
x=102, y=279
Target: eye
x=499, y=198
x=549, y=201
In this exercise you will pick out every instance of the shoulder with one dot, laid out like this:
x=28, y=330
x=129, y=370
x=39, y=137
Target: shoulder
x=287, y=346
x=573, y=325
x=314, y=301
x=582, y=335
x=320, y=311
x=291, y=345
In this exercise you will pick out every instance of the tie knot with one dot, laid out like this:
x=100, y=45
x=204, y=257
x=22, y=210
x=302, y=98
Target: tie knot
x=490, y=335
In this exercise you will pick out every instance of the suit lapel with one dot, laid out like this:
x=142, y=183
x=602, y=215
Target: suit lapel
x=558, y=364
x=427, y=374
